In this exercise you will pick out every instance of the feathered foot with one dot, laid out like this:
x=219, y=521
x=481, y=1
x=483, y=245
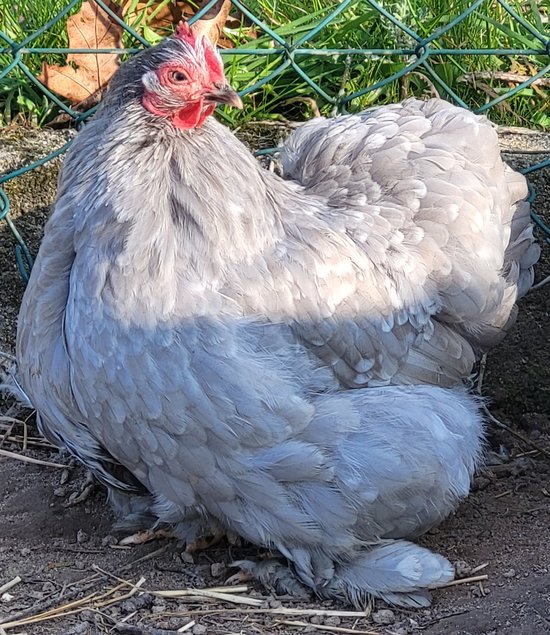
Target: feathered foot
x=151, y=518
x=273, y=574
x=398, y=572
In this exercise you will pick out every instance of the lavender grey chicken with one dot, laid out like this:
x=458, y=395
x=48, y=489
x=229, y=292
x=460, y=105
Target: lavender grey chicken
x=283, y=358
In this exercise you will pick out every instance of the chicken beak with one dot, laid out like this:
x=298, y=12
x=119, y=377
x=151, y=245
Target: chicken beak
x=225, y=95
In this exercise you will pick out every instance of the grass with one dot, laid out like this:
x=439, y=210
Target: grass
x=360, y=25
x=19, y=98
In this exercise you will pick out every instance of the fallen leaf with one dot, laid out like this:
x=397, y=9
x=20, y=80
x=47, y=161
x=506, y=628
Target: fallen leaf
x=212, y=23
x=86, y=73
x=161, y=21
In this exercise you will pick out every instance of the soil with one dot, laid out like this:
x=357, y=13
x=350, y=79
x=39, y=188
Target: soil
x=54, y=541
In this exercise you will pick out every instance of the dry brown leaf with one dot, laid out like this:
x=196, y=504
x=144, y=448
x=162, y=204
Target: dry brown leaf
x=86, y=73
x=163, y=20
x=212, y=23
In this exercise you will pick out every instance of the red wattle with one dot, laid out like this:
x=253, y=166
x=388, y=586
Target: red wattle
x=193, y=115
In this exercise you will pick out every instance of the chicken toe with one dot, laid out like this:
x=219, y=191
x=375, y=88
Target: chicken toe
x=141, y=537
x=205, y=541
x=271, y=573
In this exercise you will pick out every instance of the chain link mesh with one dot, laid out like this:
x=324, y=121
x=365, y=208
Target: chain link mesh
x=289, y=50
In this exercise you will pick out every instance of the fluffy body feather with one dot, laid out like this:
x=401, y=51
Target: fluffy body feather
x=228, y=343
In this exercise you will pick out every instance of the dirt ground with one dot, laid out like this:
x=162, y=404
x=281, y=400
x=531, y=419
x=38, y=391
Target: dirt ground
x=55, y=527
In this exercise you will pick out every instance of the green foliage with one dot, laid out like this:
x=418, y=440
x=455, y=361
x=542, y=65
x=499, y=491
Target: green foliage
x=362, y=26
x=19, y=98
x=359, y=26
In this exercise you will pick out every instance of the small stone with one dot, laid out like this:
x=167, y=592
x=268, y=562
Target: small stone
x=332, y=620
x=481, y=483
x=6, y=597
x=217, y=569
x=142, y=601
x=163, y=624
x=383, y=617
x=88, y=616
x=128, y=606
x=82, y=536
x=315, y=619
x=79, y=629
x=25, y=551
x=187, y=557
x=274, y=604
x=108, y=540
x=60, y=492
x=511, y=573
x=48, y=587
x=462, y=568
x=64, y=477
x=158, y=606
x=199, y=629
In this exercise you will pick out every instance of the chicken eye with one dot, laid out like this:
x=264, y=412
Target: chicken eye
x=178, y=76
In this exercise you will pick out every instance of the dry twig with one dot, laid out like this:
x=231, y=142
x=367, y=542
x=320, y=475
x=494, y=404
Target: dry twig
x=28, y=459
x=271, y=611
x=493, y=419
x=81, y=585
x=540, y=284
x=223, y=594
x=480, y=567
x=513, y=78
x=37, y=442
x=514, y=433
x=9, y=585
x=474, y=578
x=322, y=627
x=92, y=601
x=128, y=629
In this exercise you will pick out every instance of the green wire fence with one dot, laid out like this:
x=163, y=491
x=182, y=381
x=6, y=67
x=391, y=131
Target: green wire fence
x=288, y=51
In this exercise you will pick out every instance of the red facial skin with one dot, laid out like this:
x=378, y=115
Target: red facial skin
x=187, y=83
x=195, y=110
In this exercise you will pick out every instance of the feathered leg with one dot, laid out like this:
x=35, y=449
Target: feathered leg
x=401, y=469
x=397, y=571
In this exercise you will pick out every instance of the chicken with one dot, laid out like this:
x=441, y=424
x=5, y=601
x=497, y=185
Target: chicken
x=281, y=358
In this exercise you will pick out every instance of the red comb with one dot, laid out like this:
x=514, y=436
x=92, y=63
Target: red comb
x=185, y=32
